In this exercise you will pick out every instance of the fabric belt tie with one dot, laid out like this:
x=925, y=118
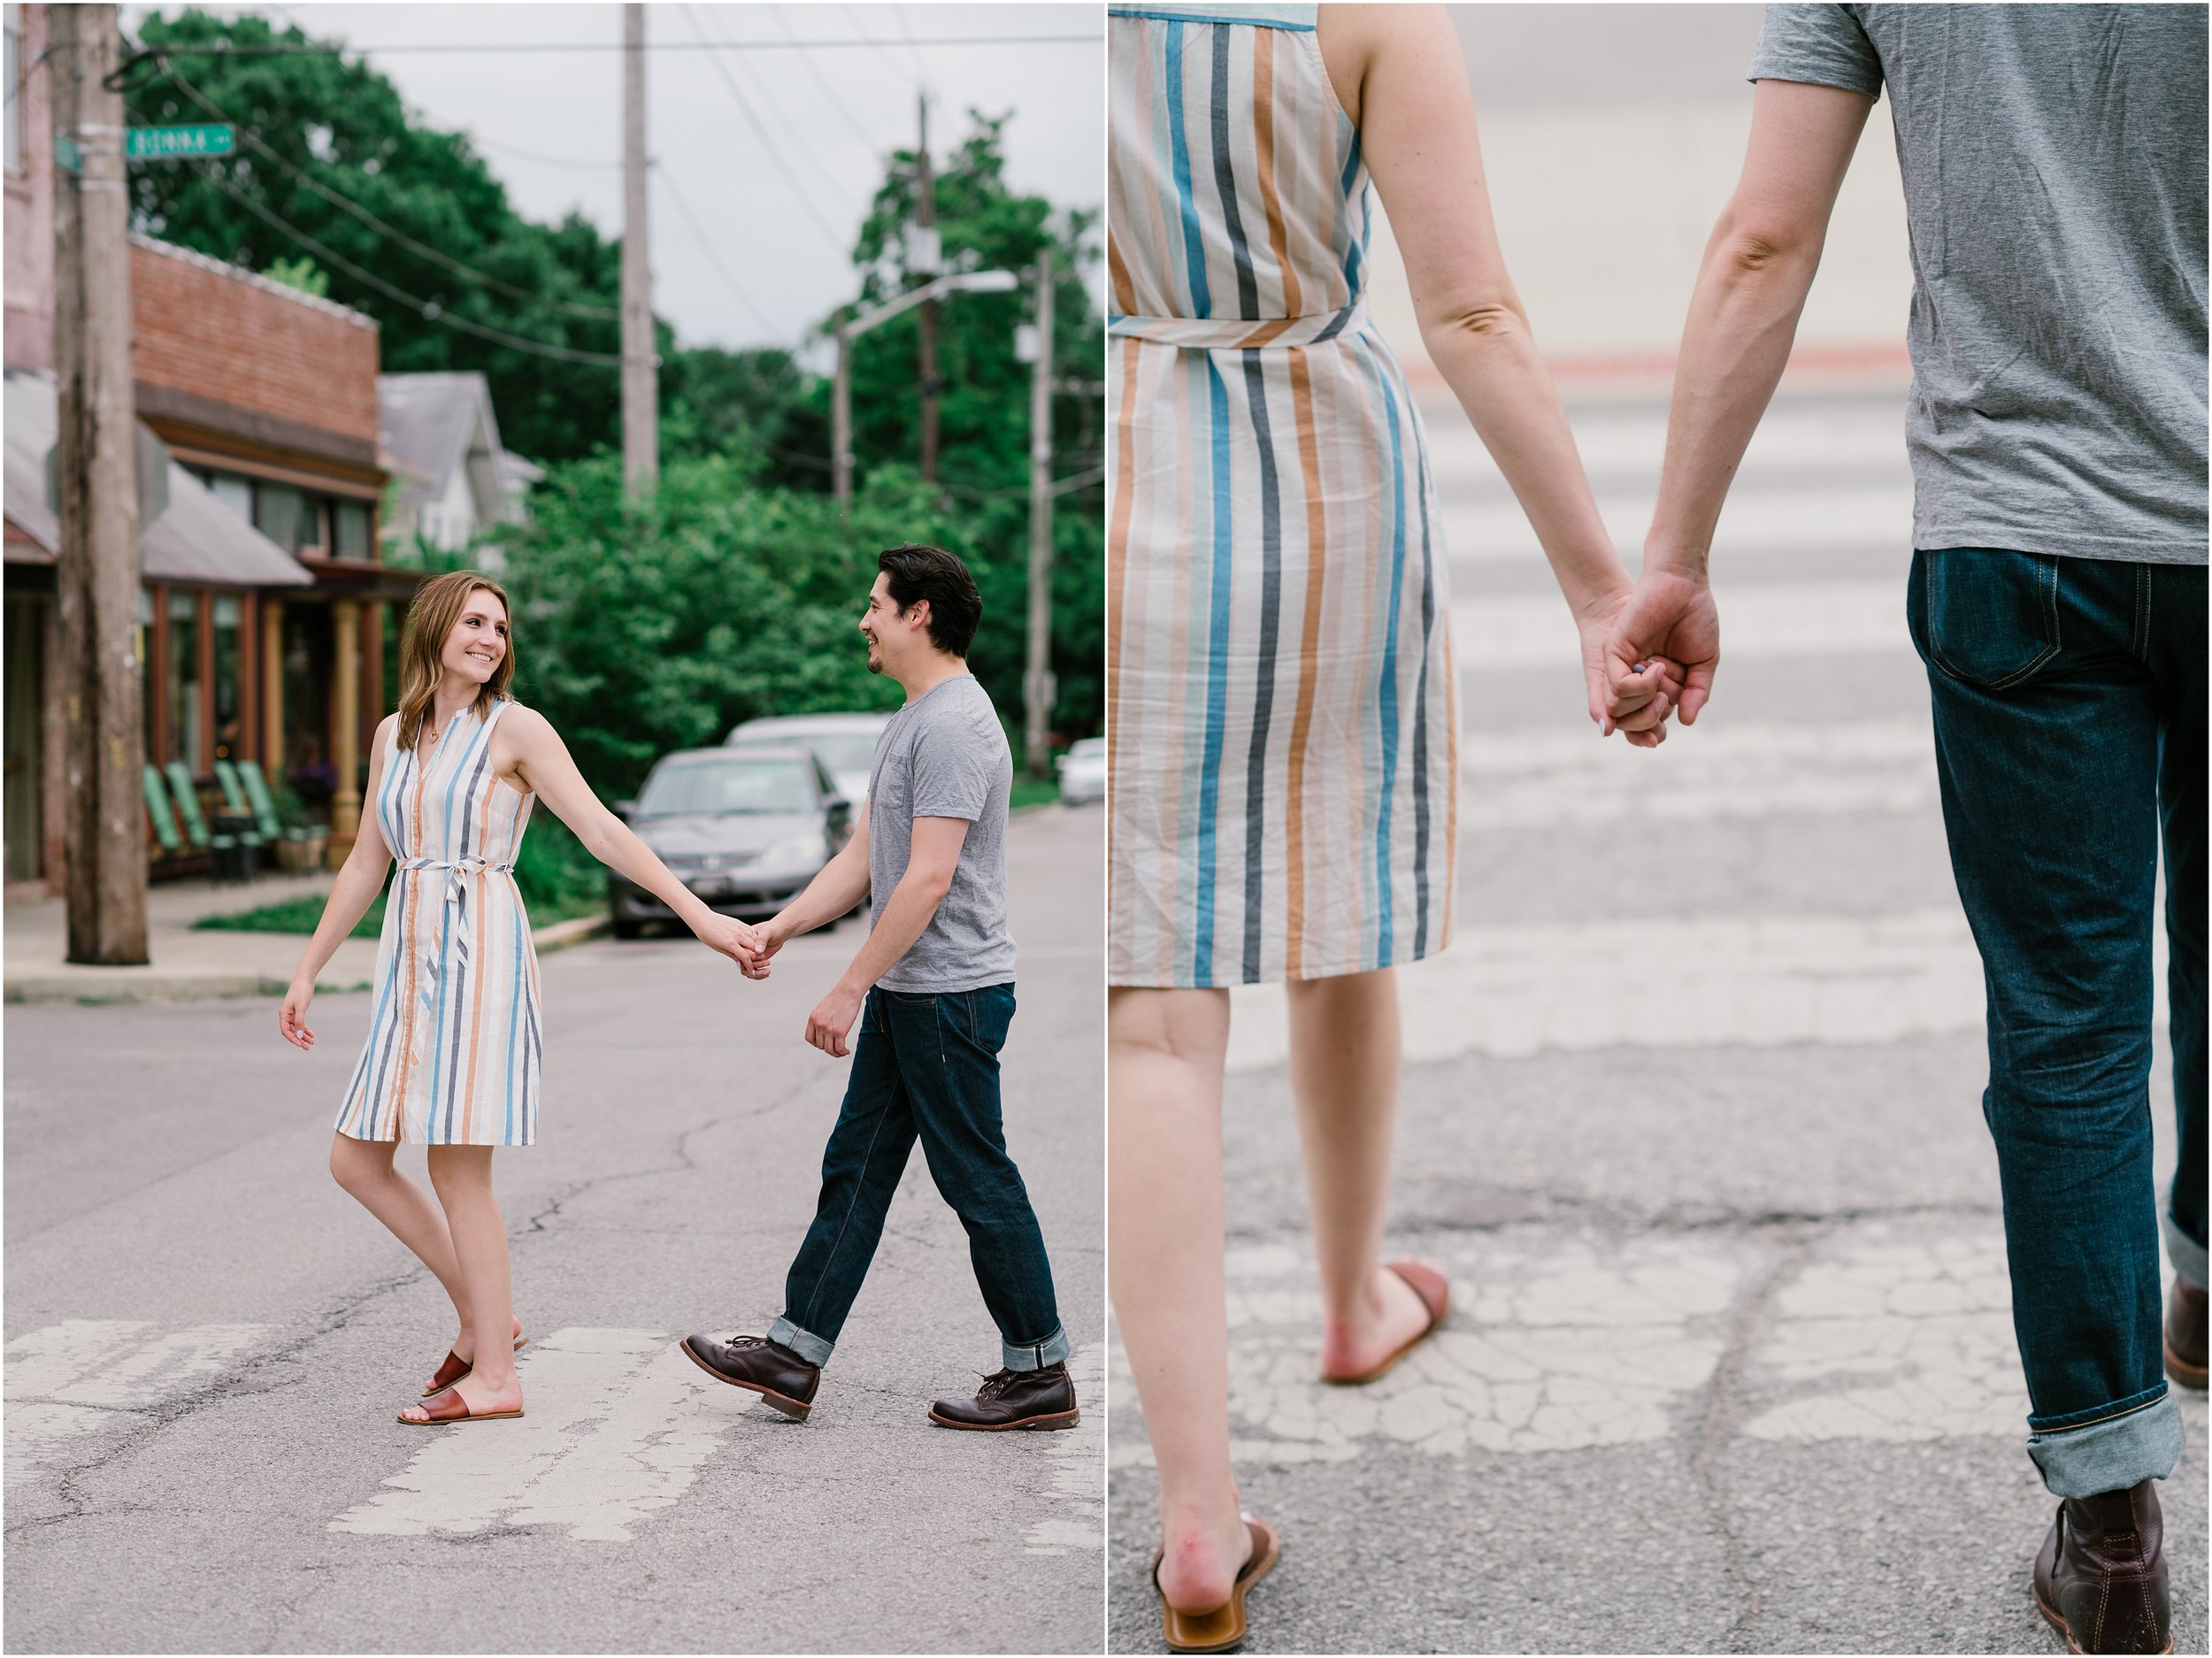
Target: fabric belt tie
x=1241, y=334
x=458, y=870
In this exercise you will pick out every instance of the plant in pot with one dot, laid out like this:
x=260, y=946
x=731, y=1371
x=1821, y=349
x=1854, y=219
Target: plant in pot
x=305, y=836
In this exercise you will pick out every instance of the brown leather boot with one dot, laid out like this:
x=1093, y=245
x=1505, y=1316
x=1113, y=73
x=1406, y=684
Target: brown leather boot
x=2101, y=1581
x=2185, y=1334
x=776, y=1373
x=1014, y=1399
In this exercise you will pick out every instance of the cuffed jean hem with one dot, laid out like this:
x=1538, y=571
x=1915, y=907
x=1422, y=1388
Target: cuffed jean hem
x=2112, y=1454
x=2184, y=1252
x=805, y=1343
x=1036, y=1355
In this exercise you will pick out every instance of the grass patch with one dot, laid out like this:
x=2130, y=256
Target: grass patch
x=559, y=881
x=1029, y=791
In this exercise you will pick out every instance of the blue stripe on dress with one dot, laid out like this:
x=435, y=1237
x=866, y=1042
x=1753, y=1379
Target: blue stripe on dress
x=1388, y=689
x=1186, y=203
x=1217, y=673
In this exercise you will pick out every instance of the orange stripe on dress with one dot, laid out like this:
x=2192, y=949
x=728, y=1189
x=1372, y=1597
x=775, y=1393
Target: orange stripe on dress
x=1116, y=597
x=1309, y=646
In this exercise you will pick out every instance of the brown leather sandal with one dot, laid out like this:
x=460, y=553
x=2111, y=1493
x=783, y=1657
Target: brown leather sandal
x=450, y=1407
x=455, y=1367
x=1223, y=1628
x=1435, y=1291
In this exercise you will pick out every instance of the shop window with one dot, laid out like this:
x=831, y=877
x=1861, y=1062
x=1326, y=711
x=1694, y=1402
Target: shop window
x=228, y=615
x=183, y=689
x=349, y=521
x=234, y=492
x=281, y=512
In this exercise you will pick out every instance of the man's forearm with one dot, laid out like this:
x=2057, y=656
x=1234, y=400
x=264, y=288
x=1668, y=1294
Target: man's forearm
x=842, y=883
x=913, y=901
x=1735, y=344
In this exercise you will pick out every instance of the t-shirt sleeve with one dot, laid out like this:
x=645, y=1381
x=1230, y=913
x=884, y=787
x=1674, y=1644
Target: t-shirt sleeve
x=1825, y=45
x=953, y=768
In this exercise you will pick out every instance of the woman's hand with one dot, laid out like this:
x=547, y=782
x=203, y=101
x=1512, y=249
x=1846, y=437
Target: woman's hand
x=292, y=1017
x=1644, y=727
x=732, y=937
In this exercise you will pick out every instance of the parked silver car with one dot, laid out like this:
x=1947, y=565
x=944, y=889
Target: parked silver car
x=845, y=743
x=1083, y=771
x=745, y=831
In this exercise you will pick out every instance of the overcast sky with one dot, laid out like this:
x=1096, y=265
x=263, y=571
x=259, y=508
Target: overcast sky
x=549, y=125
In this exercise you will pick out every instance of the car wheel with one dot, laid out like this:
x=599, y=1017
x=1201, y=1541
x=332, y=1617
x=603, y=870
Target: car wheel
x=625, y=928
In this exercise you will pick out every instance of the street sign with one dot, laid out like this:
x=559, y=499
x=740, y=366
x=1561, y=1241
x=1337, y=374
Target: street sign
x=179, y=144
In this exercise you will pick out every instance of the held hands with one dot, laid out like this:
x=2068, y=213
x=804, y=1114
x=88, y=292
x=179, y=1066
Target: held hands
x=1659, y=654
x=1659, y=679
x=733, y=938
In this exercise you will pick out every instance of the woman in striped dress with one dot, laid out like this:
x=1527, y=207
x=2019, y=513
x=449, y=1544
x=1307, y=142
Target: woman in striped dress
x=1281, y=698
x=451, y=1059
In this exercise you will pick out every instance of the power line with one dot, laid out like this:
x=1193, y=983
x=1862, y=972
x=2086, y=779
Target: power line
x=806, y=151
x=596, y=313
x=430, y=310
x=768, y=142
x=551, y=161
x=699, y=234
x=288, y=49
x=829, y=90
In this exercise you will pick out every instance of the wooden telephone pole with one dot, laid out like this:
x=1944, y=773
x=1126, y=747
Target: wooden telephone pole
x=97, y=574
x=925, y=216
x=1037, y=682
x=641, y=390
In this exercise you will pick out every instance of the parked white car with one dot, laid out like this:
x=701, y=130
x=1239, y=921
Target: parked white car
x=845, y=743
x=1083, y=772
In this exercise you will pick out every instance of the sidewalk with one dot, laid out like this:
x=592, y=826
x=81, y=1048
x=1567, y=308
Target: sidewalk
x=187, y=965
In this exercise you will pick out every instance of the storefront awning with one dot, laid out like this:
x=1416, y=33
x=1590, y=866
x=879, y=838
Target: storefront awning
x=197, y=539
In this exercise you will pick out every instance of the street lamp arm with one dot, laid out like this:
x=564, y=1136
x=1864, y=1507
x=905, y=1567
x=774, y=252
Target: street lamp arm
x=957, y=283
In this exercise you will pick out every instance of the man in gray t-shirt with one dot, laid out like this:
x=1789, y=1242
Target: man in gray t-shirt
x=932, y=990
x=2054, y=163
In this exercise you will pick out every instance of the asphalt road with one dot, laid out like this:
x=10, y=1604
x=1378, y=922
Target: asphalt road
x=208, y=1342
x=1692, y=1117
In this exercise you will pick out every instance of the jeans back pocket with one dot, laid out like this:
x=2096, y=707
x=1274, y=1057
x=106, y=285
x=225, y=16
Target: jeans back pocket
x=1987, y=617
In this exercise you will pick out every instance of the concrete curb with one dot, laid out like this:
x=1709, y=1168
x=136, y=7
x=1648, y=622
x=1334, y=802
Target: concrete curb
x=91, y=986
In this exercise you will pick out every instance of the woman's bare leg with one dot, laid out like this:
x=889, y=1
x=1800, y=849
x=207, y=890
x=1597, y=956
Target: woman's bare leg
x=1164, y=1052
x=1345, y=1057
x=463, y=1177
x=363, y=1168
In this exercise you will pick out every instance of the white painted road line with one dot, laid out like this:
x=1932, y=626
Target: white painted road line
x=1838, y=437
x=1078, y=1521
x=71, y=1379
x=617, y=1424
x=1782, y=620
x=1890, y=1332
x=1755, y=981
x=1756, y=523
x=1534, y=779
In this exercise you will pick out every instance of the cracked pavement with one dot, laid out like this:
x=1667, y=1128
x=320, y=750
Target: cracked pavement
x=1692, y=1118
x=208, y=1342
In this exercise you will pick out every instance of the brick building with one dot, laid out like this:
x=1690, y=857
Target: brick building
x=264, y=622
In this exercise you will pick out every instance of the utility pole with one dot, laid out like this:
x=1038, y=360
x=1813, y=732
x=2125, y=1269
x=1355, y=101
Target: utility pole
x=96, y=576
x=1037, y=683
x=841, y=420
x=925, y=216
x=641, y=405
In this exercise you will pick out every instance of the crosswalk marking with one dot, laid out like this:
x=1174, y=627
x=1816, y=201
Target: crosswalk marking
x=617, y=1427
x=1078, y=1521
x=1757, y=524
x=1721, y=769
x=1782, y=620
x=1756, y=980
x=1890, y=1331
x=1819, y=436
x=70, y=1380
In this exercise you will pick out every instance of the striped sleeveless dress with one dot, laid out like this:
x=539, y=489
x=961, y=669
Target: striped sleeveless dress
x=1281, y=705
x=452, y=1057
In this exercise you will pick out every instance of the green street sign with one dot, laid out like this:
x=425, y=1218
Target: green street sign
x=179, y=144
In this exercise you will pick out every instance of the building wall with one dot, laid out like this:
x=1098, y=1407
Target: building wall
x=207, y=329
x=28, y=231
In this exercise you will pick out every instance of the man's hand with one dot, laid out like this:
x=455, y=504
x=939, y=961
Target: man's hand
x=730, y=937
x=1644, y=725
x=832, y=1018
x=769, y=936
x=1667, y=632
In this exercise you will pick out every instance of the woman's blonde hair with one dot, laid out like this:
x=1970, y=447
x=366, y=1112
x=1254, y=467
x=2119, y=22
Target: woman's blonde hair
x=438, y=605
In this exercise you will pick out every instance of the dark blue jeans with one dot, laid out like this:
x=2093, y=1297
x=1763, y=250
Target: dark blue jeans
x=927, y=1068
x=2070, y=730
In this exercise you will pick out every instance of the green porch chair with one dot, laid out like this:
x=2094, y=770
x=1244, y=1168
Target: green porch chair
x=158, y=814
x=264, y=811
x=234, y=803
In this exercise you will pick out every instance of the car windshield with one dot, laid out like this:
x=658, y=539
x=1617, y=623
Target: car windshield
x=727, y=786
x=839, y=750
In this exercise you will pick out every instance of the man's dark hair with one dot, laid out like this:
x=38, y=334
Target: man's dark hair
x=917, y=572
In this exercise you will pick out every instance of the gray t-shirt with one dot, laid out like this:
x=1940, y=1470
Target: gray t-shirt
x=944, y=756
x=2054, y=160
